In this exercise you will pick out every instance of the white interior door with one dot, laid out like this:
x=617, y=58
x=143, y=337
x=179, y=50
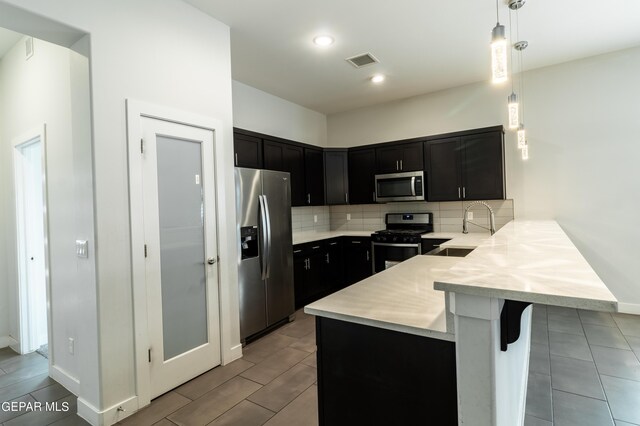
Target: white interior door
x=181, y=252
x=29, y=175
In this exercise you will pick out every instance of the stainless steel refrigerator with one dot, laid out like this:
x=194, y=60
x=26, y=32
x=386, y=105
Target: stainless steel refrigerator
x=265, y=261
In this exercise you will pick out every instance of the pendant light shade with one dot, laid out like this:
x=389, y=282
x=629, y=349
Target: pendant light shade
x=522, y=137
x=513, y=108
x=498, y=54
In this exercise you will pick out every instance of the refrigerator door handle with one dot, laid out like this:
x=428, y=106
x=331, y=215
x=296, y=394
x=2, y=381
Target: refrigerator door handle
x=264, y=253
x=268, y=259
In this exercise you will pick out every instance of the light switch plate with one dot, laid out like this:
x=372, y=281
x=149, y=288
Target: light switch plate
x=348, y=216
x=82, y=248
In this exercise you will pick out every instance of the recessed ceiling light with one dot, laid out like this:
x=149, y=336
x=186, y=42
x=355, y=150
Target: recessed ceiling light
x=323, y=40
x=378, y=78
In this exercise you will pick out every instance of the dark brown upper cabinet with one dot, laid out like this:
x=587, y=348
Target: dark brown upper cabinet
x=287, y=158
x=247, y=151
x=314, y=176
x=406, y=157
x=466, y=167
x=336, y=177
x=362, y=172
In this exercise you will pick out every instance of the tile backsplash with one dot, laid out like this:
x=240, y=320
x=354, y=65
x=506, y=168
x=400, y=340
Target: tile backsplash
x=447, y=216
x=310, y=218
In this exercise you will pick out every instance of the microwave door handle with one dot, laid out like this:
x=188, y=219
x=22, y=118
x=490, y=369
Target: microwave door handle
x=413, y=186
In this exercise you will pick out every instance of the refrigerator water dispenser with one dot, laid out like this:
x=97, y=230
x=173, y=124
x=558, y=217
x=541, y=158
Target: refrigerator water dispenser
x=249, y=242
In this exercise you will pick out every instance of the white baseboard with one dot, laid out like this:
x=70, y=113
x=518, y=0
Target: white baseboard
x=65, y=379
x=7, y=341
x=234, y=353
x=111, y=415
x=629, y=308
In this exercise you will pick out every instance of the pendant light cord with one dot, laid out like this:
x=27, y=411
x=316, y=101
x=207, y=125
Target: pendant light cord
x=497, y=16
x=511, y=49
x=521, y=68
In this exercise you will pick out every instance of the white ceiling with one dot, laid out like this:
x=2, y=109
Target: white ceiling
x=423, y=45
x=7, y=40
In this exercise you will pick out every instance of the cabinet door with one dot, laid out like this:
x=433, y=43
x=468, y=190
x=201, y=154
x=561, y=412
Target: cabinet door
x=314, y=176
x=315, y=278
x=412, y=157
x=443, y=173
x=300, y=274
x=294, y=164
x=336, y=177
x=358, y=254
x=273, y=155
x=334, y=258
x=362, y=164
x=483, y=166
x=388, y=159
x=247, y=151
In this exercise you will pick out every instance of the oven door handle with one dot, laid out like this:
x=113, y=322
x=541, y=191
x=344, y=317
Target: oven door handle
x=396, y=245
x=413, y=186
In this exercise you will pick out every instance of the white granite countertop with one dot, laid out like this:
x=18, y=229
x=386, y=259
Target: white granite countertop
x=401, y=298
x=458, y=239
x=309, y=236
x=531, y=261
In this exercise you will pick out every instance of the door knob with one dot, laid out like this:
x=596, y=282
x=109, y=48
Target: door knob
x=211, y=261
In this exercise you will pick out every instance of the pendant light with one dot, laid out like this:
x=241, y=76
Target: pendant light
x=520, y=45
x=498, y=52
x=512, y=100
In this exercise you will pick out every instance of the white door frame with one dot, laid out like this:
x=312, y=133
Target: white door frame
x=38, y=133
x=135, y=111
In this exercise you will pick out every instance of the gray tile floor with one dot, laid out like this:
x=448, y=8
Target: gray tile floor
x=26, y=379
x=584, y=368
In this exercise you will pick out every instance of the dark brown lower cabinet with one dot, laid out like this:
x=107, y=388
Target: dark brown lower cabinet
x=357, y=252
x=372, y=376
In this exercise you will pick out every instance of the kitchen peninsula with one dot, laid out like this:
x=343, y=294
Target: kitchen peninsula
x=438, y=321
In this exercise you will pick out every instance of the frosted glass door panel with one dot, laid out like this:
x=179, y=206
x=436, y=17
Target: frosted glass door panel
x=182, y=245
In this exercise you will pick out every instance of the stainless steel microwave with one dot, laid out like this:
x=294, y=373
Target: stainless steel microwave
x=408, y=186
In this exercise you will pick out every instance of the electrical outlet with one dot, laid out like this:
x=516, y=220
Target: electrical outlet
x=348, y=216
x=470, y=215
x=315, y=218
x=72, y=345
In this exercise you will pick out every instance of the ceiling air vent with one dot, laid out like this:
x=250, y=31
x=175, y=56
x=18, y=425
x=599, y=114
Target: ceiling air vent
x=360, y=61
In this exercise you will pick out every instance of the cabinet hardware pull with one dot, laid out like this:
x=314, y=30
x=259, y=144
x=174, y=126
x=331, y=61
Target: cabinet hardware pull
x=401, y=168
x=328, y=258
x=308, y=198
x=315, y=247
x=297, y=251
x=367, y=255
x=236, y=158
x=346, y=197
x=356, y=242
x=464, y=192
x=332, y=244
x=397, y=163
x=459, y=193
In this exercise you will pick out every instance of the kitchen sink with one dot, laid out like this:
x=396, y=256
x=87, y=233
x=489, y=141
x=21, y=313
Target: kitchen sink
x=450, y=251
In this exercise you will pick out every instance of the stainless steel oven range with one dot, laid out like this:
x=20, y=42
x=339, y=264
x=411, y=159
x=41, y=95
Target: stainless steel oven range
x=401, y=240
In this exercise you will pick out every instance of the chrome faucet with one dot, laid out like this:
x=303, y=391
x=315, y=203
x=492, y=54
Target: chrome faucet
x=492, y=219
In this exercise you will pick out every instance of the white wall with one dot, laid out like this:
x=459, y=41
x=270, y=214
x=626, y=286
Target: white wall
x=37, y=91
x=163, y=52
x=583, y=127
x=262, y=112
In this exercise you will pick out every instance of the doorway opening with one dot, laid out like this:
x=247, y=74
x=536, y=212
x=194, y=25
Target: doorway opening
x=29, y=180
